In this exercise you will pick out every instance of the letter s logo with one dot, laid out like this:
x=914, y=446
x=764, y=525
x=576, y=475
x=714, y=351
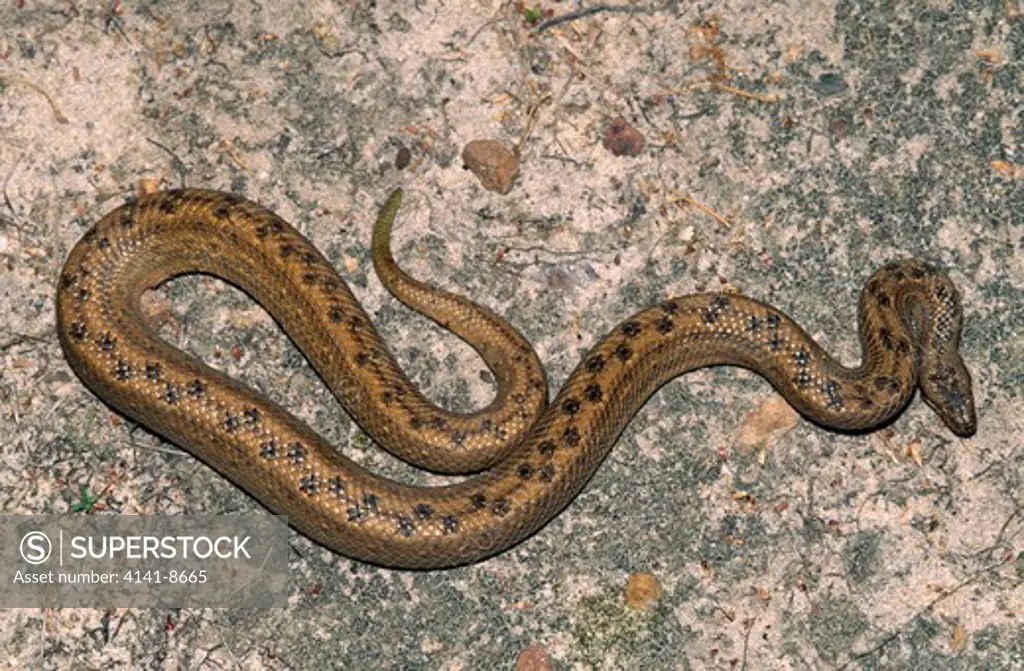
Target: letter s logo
x=35, y=547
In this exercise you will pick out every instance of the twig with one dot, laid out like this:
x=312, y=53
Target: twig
x=343, y=51
x=590, y=11
x=531, y=120
x=999, y=537
x=718, y=86
x=115, y=21
x=761, y=97
x=7, y=180
x=19, y=338
x=179, y=165
x=57, y=113
x=481, y=29
x=749, y=626
x=563, y=159
x=931, y=605
x=687, y=200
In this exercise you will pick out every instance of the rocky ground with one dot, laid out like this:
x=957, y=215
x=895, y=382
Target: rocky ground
x=788, y=149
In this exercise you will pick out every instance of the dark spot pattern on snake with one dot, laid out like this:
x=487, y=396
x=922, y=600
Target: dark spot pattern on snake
x=449, y=524
x=231, y=423
x=297, y=453
x=309, y=484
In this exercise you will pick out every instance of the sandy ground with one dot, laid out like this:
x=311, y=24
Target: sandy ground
x=792, y=147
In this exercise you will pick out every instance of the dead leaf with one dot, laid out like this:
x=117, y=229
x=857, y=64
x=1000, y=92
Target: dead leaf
x=914, y=451
x=958, y=640
x=1005, y=168
x=770, y=420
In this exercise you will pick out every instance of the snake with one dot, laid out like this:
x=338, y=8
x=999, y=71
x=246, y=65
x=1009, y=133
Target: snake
x=525, y=458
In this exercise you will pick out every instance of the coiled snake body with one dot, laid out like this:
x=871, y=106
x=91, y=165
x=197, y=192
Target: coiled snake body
x=537, y=456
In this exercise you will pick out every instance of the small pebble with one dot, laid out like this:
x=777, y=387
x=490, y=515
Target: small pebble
x=493, y=164
x=403, y=157
x=621, y=139
x=830, y=84
x=148, y=185
x=642, y=591
x=534, y=658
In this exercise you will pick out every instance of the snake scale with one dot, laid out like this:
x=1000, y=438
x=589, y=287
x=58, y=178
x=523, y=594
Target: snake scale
x=534, y=456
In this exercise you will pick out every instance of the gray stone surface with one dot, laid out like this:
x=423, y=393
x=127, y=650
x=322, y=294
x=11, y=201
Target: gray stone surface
x=829, y=138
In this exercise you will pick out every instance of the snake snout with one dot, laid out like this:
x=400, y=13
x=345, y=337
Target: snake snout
x=947, y=390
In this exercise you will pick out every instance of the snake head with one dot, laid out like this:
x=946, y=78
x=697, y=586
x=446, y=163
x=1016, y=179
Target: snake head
x=946, y=386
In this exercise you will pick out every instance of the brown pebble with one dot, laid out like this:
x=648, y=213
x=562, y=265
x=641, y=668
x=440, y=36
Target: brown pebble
x=642, y=591
x=148, y=185
x=534, y=658
x=621, y=139
x=493, y=164
x=403, y=157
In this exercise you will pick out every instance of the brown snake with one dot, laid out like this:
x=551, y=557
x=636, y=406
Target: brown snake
x=538, y=456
